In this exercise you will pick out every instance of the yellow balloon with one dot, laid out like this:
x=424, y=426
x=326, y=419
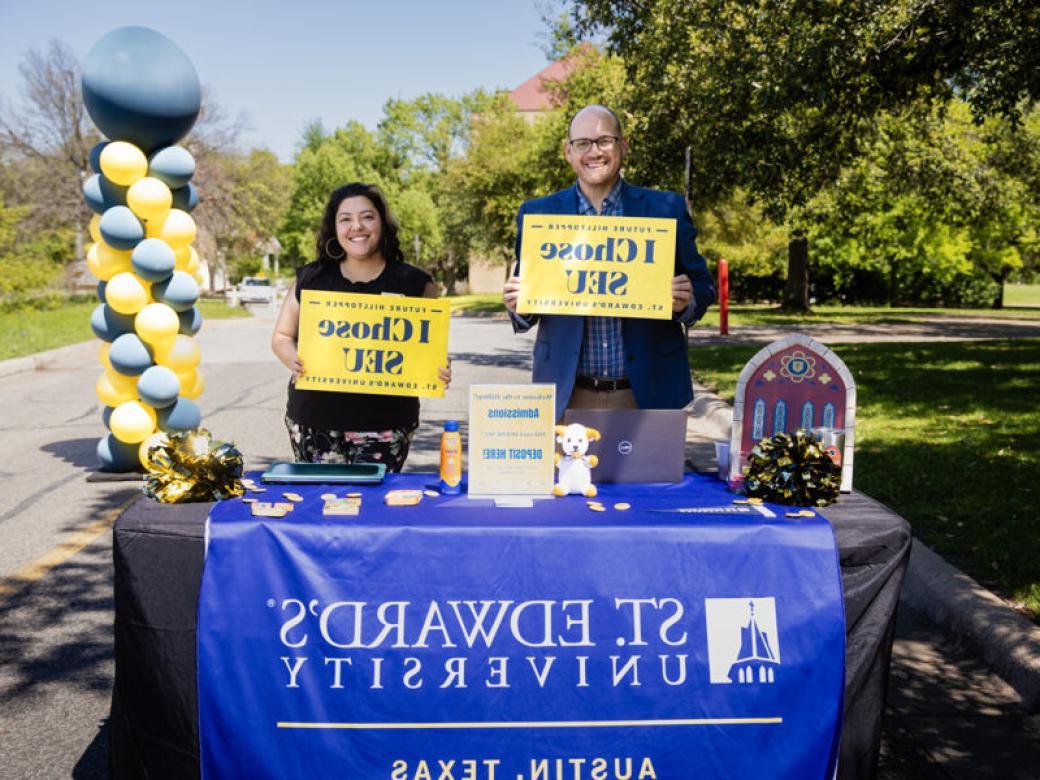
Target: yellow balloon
x=155, y=440
x=127, y=293
x=198, y=387
x=105, y=262
x=157, y=324
x=149, y=199
x=192, y=384
x=94, y=262
x=114, y=389
x=119, y=259
x=187, y=259
x=177, y=229
x=132, y=422
x=123, y=163
x=95, y=228
x=103, y=356
x=182, y=355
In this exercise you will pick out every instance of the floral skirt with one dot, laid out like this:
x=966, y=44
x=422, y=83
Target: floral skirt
x=313, y=445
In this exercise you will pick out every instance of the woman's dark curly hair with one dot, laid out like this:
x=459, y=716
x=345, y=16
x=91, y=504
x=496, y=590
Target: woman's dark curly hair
x=389, y=241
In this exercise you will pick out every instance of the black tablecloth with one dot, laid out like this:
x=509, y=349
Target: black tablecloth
x=158, y=553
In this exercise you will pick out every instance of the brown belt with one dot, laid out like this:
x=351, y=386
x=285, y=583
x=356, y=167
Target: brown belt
x=602, y=385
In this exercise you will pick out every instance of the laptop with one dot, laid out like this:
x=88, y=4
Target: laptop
x=636, y=445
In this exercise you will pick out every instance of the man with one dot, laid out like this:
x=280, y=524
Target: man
x=609, y=362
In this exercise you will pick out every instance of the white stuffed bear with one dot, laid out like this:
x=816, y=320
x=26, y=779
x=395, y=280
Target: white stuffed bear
x=574, y=465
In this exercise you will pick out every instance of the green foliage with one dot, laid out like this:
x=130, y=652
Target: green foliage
x=776, y=96
x=29, y=259
x=755, y=248
x=931, y=211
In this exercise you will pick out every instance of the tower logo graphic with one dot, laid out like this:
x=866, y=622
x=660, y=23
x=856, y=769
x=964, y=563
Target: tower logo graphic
x=743, y=645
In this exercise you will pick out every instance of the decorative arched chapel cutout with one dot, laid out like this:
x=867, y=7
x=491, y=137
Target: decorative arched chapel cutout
x=789, y=382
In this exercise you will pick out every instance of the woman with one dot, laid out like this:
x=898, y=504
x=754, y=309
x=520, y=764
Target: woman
x=358, y=252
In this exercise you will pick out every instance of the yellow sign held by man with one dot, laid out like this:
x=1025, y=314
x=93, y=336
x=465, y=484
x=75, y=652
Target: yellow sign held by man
x=597, y=266
x=386, y=345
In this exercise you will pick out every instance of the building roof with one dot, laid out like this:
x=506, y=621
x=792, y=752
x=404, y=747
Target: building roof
x=533, y=94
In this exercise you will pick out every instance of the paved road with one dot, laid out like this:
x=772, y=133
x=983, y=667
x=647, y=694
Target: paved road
x=55, y=562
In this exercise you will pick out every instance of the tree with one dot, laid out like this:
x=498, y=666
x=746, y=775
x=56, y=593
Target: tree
x=246, y=199
x=776, y=96
x=430, y=133
x=45, y=140
x=934, y=206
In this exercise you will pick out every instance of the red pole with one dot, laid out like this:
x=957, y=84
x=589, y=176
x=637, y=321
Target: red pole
x=723, y=297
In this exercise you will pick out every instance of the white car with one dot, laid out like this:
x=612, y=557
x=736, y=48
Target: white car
x=255, y=289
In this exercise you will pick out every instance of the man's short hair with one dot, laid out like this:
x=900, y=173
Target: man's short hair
x=602, y=109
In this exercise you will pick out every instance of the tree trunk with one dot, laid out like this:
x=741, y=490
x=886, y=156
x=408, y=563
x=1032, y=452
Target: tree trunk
x=1001, y=280
x=796, y=291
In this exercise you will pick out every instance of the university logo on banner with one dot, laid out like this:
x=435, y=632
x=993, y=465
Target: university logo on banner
x=379, y=344
x=743, y=646
x=597, y=266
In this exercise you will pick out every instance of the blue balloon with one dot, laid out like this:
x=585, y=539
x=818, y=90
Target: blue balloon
x=185, y=198
x=179, y=292
x=120, y=228
x=159, y=386
x=101, y=194
x=174, y=166
x=95, y=156
x=108, y=324
x=101, y=290
x=153, y=260
x=114, y=455
x=139, y=86
x=129, y=355
x=191, y=321
x=182, y=415
x=106, y=415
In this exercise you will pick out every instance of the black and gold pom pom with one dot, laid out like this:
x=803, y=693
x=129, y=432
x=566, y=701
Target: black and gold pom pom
x=792, y=469
x=190, y=466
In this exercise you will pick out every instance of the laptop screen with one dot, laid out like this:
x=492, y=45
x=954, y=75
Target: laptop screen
x=635, y=445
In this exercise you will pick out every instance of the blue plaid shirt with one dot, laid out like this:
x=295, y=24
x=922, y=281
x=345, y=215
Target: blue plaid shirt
x=602, y=346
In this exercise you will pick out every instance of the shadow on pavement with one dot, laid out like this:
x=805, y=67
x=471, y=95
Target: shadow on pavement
x=949, y=716
x=81, y=453
x=516, y=358
x=93, y=764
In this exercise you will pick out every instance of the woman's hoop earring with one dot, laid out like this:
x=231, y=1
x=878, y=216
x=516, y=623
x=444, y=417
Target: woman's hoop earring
x=328, y=251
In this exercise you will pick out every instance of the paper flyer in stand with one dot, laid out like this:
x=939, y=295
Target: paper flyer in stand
x=511, y=439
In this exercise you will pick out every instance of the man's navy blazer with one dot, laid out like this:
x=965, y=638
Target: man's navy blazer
x=655, y=350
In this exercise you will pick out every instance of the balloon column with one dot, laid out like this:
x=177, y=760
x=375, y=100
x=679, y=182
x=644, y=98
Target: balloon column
x=142, y=92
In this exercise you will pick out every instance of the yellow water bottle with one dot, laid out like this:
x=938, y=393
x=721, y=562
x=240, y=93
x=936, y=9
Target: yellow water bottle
x=451, y=458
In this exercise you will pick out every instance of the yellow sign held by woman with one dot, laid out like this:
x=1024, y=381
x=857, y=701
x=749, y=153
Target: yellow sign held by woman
x=379, y=344
x=597, y=266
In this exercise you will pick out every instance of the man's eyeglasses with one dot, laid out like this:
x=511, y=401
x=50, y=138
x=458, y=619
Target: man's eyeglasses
x=604, y=143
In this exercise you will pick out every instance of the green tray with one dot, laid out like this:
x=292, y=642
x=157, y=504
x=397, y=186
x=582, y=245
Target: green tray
x=332, y=473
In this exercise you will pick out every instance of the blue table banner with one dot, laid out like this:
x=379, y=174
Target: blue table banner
x=683, y=637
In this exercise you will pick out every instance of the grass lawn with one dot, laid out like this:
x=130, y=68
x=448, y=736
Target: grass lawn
x=1022, y=295
x=948, y=435
x=482, y=303
x=28, y=330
